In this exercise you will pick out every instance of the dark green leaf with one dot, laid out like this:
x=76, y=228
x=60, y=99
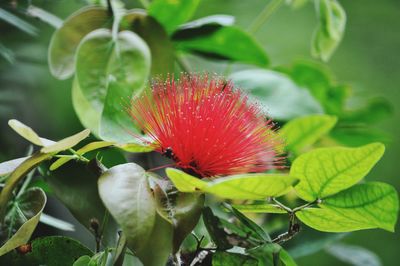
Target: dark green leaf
x=216, y=230
x=326, y=171
x=172, y=13
x=364, y=206
x=66, y=39
x=228, y=43
x=280, y=97
x=22, y=218
x=221, y=258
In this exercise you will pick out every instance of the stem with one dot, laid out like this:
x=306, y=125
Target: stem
x=289, y=210
x=76, y=156
x=26, y=183
x=264, y=15
x=308, y=204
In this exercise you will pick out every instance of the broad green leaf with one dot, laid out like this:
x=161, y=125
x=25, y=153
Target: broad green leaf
x=25, y=132
x=304, y=131
x=280, y=97
x=23, y=216
x=354, y=255
x=255, y=229
x=18, y=22
x=129, y=71
x=66, y=39
x=185, y=182
x=222, y=258
x=228, y=43
x=9, y=166
x=161, y=47
x=125, y=191
x=75, y=185
x=203, y=26
x=320, y=81
x=87, y=114
x=66, y=143
x=259, y=208
x=49, y=250
x=160, y=242
x=87, y=148
x=172, y=13
x=329, y=33
x=21, y=171
x=250, y=186
x=56, y=223
x=364, y=206
x=326, y=171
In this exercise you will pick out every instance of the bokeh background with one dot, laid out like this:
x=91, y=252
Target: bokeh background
x=368, y=59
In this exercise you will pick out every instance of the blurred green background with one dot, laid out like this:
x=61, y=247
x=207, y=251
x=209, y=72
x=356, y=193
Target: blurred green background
x=368, y=59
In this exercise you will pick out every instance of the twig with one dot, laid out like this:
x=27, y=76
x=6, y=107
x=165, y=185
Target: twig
x=264, y=15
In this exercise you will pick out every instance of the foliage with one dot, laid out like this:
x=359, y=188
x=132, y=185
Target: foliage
x=140, y=216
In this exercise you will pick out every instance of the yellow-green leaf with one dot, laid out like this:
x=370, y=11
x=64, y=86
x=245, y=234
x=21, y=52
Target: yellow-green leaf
x=25, y=132
x=66, y=143
x=326, y=171
x=185, y=182
x=259, y=208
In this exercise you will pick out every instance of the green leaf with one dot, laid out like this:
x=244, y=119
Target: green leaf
x=21, y=171
x=354, y=255
x=66, y=143
x=75, y=185
x=222, y=258
x=7, y=54
x=125, y=191
x=23, y=216
x=259, y=208
x=364, y=206
x=87, y=114
x=216, y=230
x=228, y=43
x=250, y=186
x=161, y=47
x=203, y=26
x=302, y=132
x=358, y=135
x=286, y=258
x=66, y=39
x=185, y=182
x=320, y=81
x=327, y=171
x=44, y=16
x=123, y=65
x=25, y=132
x=18, y=23
x=50, y=250
x=82, y=261
x=246, y=186
x=136, y=147
x=9, y=166
x=267, y=254
x=87, y=148
x=329, y=33
x=131, y=69
x=375, y=110
x=280, y=97
x=172, y=13
x=255, y=229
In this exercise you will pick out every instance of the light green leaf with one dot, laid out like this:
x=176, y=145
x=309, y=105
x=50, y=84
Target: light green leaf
x=227, y=43
x=125, y=191
x=135, y=147
x=364, y=206
x=21, y=171
x=129, y=71
x=250, y=186
x=172, y=13
x=66, y=39
x=66, y=143
x=304, y=131
x=8, y=166
x=56, y=223
x=330, y=31
x=185, y=182
x=259, y=208
x=161, y=47
x=326, y=171
x=17, y=22
x=24, y=216
x=25, y=132
x=87, y=148
x=280, y=97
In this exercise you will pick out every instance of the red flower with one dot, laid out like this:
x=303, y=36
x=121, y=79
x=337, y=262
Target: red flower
x=207, y=127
